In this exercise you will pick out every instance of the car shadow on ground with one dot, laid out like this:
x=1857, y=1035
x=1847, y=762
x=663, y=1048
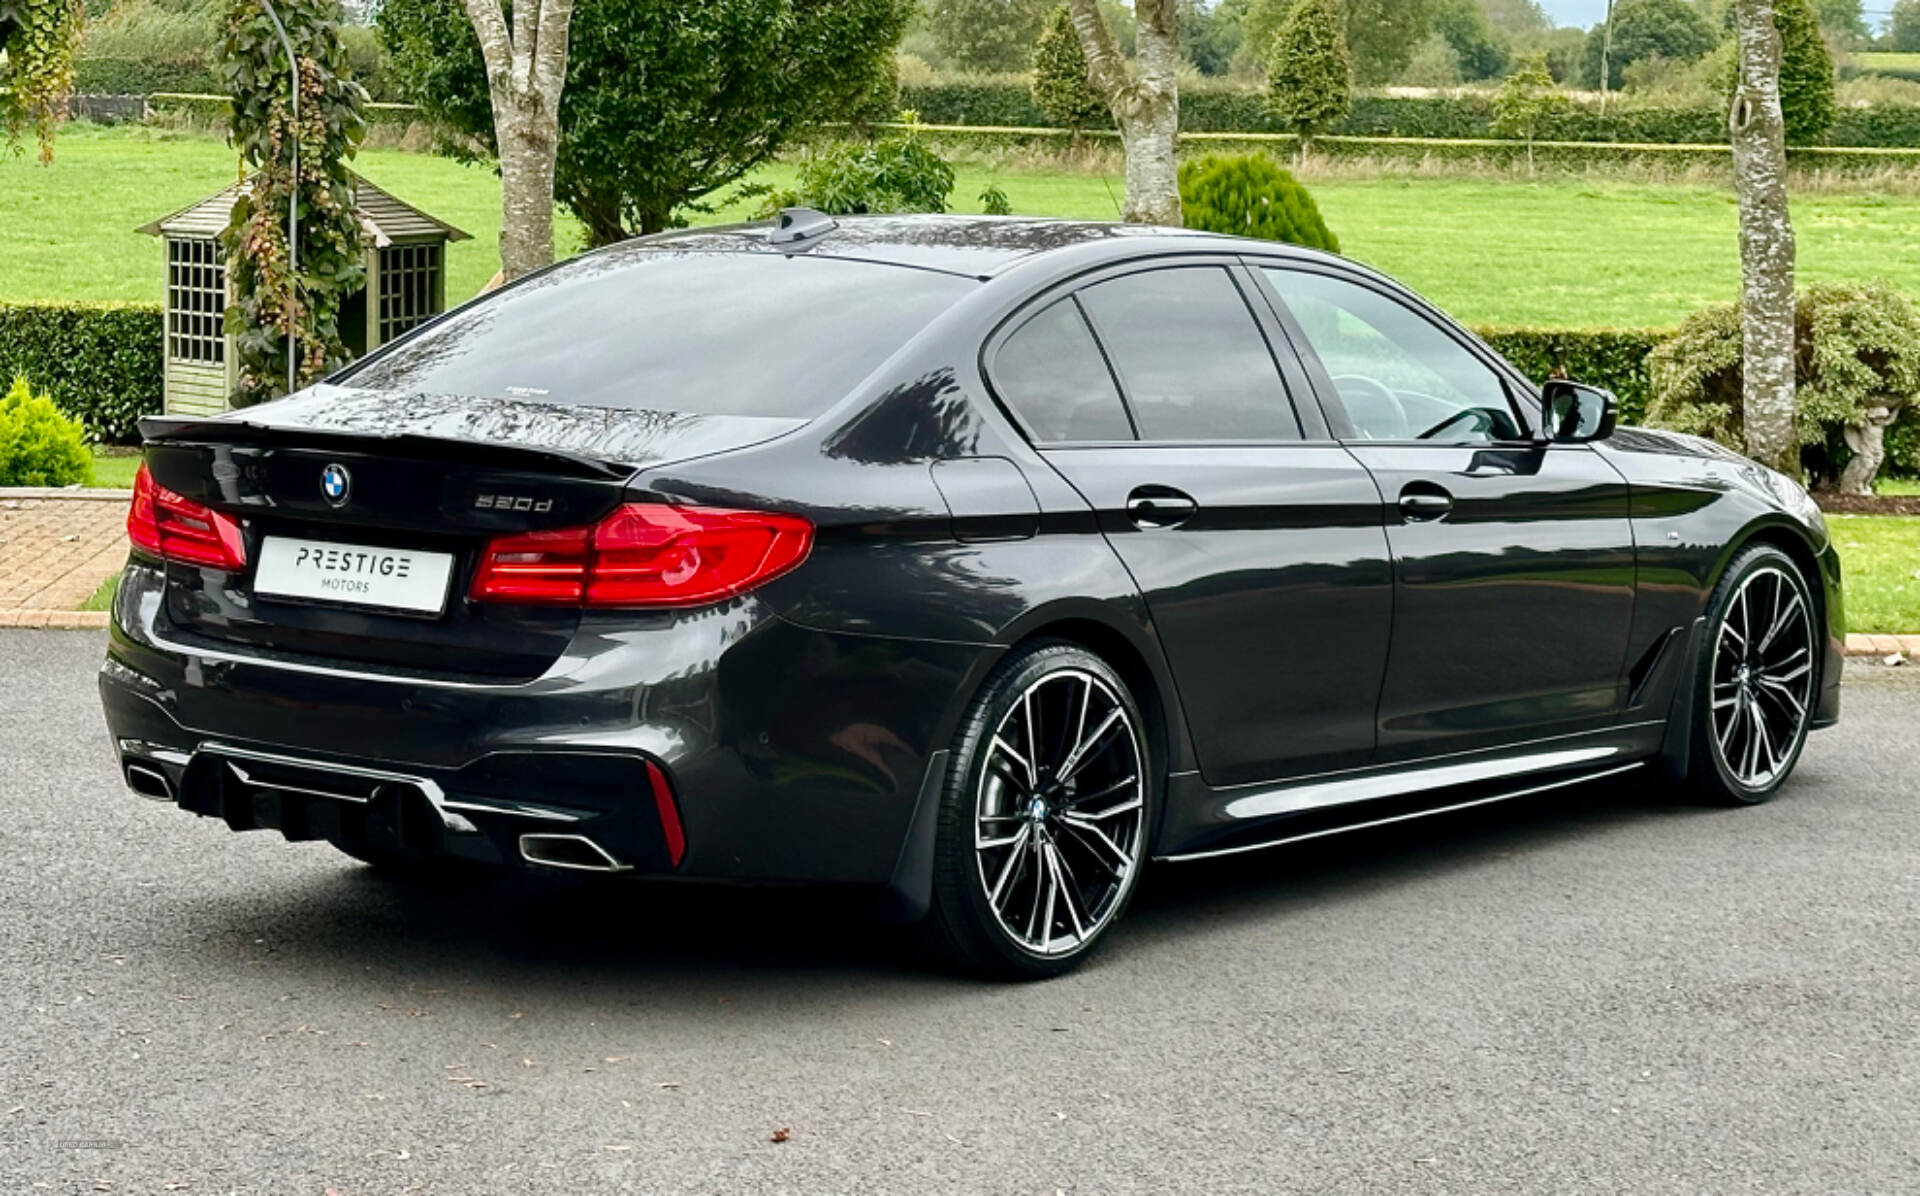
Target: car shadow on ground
x=600, y=932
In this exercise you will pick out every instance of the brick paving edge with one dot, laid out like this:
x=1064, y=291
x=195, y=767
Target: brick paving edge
x=55, y=620
x=1884, y=645
x=77, y=493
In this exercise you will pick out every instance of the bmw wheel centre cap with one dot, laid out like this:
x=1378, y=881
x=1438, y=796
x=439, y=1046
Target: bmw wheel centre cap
x=335, y=483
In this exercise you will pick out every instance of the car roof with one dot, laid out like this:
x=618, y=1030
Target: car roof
x=973, y=246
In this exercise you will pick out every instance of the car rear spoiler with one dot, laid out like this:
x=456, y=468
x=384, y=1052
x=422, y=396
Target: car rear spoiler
x=169, y=429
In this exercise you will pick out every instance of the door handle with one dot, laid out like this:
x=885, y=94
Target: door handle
x=1425, y=504
x=1159, y=506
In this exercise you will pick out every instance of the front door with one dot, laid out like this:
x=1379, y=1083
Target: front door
x=1259, y=548
x=1513, y=559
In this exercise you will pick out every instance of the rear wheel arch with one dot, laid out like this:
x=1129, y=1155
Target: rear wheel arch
x=1126, y=659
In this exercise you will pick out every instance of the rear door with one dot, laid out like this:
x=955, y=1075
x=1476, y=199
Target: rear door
x=1255, y=538
x=1513, y=559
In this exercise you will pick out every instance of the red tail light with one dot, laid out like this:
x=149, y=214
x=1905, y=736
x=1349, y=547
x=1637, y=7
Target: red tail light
x=644, y=554
x=173, y=527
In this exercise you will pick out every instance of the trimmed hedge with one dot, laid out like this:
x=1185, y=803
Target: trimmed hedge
x=1615, y=358
x=1478, y=154
x=215, y=109
x=99, y=364
x=1004, y=100
x=139, y=76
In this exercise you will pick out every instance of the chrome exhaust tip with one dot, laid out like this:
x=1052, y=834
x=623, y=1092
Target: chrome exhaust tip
x=575, y=852
x=149, y=781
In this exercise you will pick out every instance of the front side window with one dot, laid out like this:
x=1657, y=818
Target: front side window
x=1051, y=373
x=1190, y=356
x=1398, y=376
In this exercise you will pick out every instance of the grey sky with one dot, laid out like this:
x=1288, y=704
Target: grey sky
x=1584, y=13
x=1588, y=13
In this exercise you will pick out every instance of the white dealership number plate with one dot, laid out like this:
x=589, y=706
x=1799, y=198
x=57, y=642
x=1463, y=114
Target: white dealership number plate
x=396, y=578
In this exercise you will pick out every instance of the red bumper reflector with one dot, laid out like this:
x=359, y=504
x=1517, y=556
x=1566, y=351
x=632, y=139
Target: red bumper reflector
x=669, y=813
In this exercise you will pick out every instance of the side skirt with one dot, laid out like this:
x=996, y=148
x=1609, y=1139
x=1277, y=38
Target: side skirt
x=1202, y=821
x=1389, y=819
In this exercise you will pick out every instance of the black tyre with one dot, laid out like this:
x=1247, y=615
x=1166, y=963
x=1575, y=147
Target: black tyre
x=1045, y=820
x=1755, y=685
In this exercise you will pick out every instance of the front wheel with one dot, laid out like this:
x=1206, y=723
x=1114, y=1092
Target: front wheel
x=1045, y=817
x=1755, y=685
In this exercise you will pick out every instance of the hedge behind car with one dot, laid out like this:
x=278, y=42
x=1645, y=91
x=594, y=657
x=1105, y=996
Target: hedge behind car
x=98, y=363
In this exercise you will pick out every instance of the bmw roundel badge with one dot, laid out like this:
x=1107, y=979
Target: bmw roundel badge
x=335, y=483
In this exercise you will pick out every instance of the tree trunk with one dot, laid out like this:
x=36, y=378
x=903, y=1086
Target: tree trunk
x=1766, y=244
x=1153, y=187
x=1868, y=442
x=528, y=139
x=1145, y=101
x=526, y=68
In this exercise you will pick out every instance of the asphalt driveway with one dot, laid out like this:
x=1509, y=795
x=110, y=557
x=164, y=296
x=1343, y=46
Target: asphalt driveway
x=1590, y=990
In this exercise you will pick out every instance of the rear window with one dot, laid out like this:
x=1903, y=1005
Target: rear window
x=708, y=333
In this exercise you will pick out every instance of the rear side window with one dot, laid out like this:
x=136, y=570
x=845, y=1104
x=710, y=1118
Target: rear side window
x=1190, y=356
x=708, y=333
x=1051, y=373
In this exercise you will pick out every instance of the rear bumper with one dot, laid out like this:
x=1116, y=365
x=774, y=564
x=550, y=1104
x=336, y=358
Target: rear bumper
x=791, y=754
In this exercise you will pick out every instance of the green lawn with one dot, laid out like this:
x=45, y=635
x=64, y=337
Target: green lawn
x=1884, y=60
x=1563, y=253
x=114, y=471
x=102, y=598
x=1880, y=563
x=66, y=230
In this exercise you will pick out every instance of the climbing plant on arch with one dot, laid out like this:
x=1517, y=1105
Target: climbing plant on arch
x=38, y=39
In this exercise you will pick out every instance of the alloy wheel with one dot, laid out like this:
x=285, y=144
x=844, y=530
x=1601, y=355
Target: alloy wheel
x=1060, y=812
x=1762, y=677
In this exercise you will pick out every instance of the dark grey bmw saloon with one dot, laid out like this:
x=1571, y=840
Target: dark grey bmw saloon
x=977, y=562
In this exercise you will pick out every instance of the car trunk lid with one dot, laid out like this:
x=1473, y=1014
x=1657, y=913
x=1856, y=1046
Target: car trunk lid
x=415, y=479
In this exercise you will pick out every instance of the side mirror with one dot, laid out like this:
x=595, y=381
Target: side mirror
x=1574, y=413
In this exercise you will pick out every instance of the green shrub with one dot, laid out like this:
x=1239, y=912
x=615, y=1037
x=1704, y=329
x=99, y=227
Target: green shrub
x=1903, y=444
x=896, y=173
x=1060, y=90
x=38, y=445
x=1806, y=72
x=99, y=364
x=1615, y=358
x=994, y=201
x=1249, y=195
x=1309, y=71
x=1857, y=366
x=1527, y=102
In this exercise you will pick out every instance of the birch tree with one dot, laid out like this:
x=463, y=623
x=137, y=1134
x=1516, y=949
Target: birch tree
x=1766, y=242
x=526, y=68
x=1145, y=99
